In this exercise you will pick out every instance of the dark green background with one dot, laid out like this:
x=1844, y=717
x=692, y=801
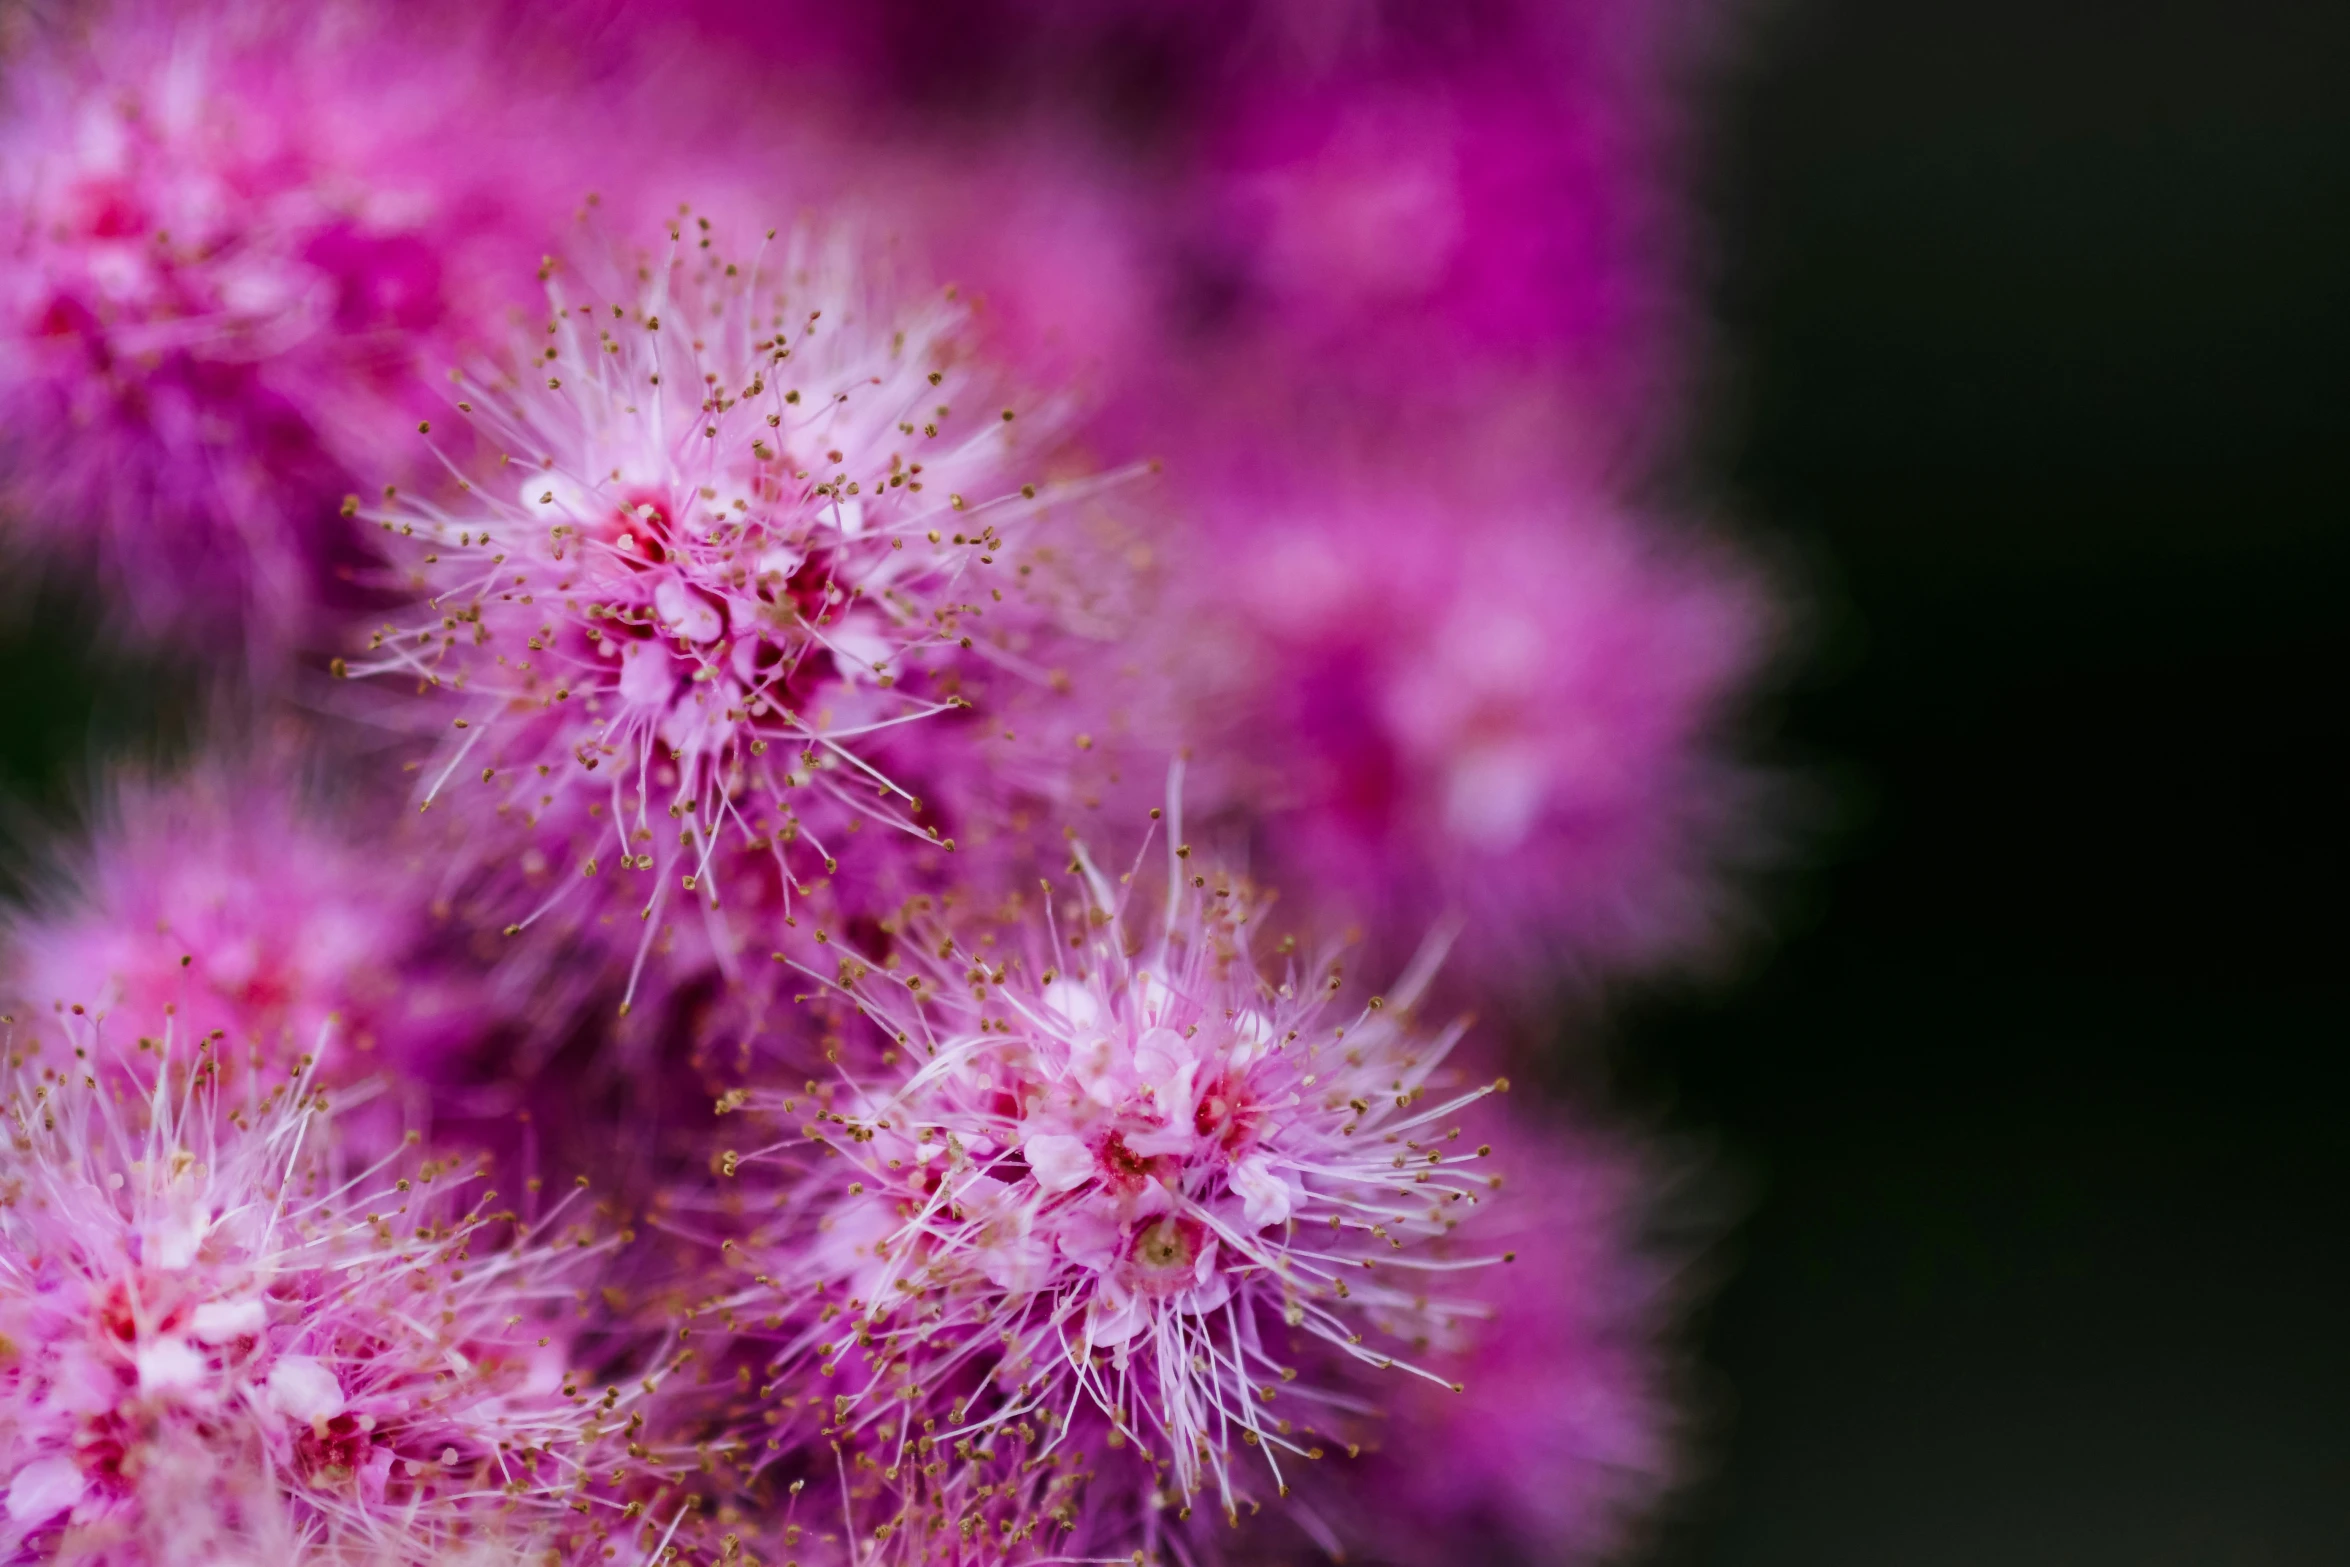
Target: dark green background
x=2036, y=322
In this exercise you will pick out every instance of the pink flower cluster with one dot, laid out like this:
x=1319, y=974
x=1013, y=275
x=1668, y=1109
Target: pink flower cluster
x=716, y=565
x=1117, y=1188
x=736, y=512
x=1400, y=304
x=223, y=1346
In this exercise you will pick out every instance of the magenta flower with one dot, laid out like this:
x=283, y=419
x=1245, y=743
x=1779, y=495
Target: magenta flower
x=1398, y=306
x=256, y=917
x=224, y=1346
x=238, y=242
x=1383, y=197
x=1436, y=207
x=1103, y=1192
x=741, y=527
x=1504, y=703
x=1436, y=245
x=757, y=643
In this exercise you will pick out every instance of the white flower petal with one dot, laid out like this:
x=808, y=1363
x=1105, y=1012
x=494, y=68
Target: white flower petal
x=1110, y=1322
x=174, y=1242
x=1059, y=1162
x=44, y=1488
x=687, y=613
x=168, y=1365
x=648, y=678
x=1265, y=1198
x=1078, y=1006
x=218, y=1321
x=303, y=1389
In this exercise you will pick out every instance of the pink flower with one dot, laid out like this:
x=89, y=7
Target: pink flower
x=249, y=912
x=1397, y=294
x=1388, y=197
x=240, y=241
x=222, y=1342
x=1504, y=703
x=1475, y=221
x=1106, y=1189
x=1432, y=204
x=1507, y=699
x=751, y=528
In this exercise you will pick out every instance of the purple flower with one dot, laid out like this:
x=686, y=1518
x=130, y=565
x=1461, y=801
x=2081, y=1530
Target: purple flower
x=1506, y=703
x=1567, y=1431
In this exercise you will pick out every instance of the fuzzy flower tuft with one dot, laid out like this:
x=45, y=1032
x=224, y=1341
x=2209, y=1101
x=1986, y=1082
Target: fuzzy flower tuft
x=224, y=1347
x=739, y=524
x=257, y=919
x=1102, y=1192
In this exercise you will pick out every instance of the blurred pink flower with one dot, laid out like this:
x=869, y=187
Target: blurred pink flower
x=1568, y=1430
x=738, y=589
x=228, y=904
x=236, y=242
x=1398, y=293
x=1386, y=196
x=1507, y=704
x=1425, y=235
x=1568, y=1427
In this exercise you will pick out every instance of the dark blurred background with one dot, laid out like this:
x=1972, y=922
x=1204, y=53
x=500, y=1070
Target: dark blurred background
x=2035, y=333
x=2037, y=323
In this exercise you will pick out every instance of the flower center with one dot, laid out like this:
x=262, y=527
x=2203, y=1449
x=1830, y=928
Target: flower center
x=1124, y=1163
x=1164, y=1246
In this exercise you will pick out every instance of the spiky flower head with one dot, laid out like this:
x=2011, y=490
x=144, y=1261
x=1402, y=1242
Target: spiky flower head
x=1100, y=1190
x=740, y=524
x=222, y=1346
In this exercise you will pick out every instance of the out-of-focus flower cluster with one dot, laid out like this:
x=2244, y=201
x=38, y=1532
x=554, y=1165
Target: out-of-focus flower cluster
x=895, y=671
